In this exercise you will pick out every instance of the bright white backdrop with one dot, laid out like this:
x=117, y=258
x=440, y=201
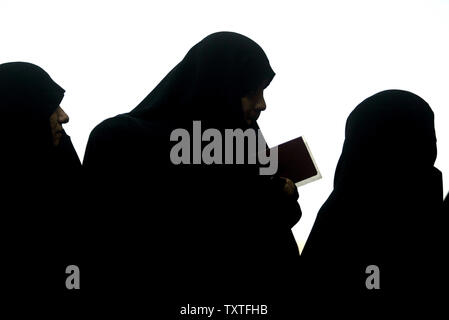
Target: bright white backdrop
x=328, y=56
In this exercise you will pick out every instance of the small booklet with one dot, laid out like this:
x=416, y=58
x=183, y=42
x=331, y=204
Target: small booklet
x=295, y=161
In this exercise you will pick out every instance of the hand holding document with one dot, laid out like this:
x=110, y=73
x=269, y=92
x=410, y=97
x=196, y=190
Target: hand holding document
x=295, y=161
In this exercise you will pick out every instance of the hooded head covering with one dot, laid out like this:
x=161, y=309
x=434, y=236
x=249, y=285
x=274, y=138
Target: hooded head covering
x=28, y=96
x=390, y=134
x=209, y=82
x=28, y=90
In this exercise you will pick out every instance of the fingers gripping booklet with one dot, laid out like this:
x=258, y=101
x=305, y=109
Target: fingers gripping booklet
x=295, y=161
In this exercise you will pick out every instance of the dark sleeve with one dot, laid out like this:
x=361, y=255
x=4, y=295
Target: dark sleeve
x=103, y=146
x=284, y=209
x=105, y=208
x=106, y=166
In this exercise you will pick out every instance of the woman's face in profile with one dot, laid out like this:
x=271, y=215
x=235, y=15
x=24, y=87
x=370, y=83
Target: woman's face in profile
x=57, y=118
x=253, y=104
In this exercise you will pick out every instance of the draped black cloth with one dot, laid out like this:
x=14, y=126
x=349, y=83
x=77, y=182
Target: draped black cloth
x=384, y=209
x=192, y=233
x=446, y=204
x=38, y=186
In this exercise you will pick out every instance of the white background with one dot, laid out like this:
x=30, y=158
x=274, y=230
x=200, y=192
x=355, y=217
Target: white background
x=328, y=56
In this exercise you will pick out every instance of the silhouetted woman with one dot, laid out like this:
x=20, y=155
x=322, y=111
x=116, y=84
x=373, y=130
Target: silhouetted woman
x=212, y=229
x=38, y=170
x=384, y=209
